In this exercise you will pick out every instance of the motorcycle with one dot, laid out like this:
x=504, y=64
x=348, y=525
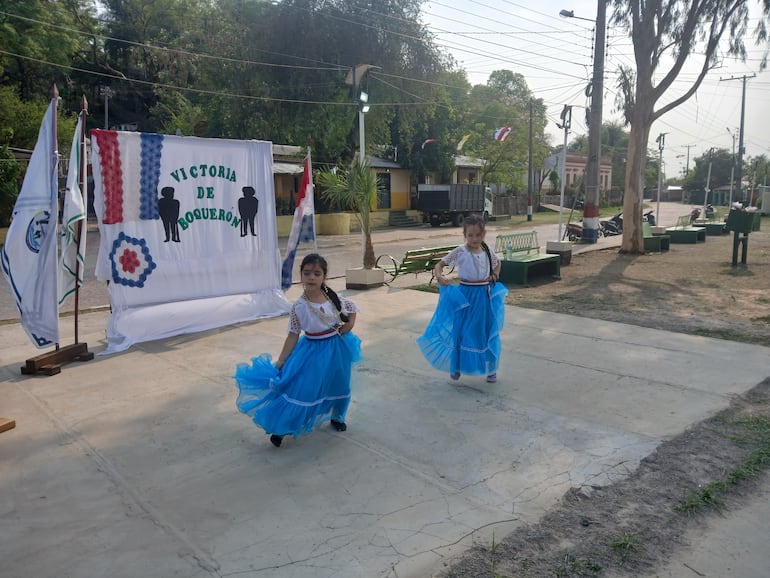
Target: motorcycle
x=694, y=214
x=709, y=211
x=574, y=231
x=612, y=226
x=649, y=216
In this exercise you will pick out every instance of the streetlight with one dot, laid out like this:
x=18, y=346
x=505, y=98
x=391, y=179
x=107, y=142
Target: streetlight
x=363, y=108
x=571, y=14
x=107, y=93
x=591, y=207
x=566, y=122
x=354, y=79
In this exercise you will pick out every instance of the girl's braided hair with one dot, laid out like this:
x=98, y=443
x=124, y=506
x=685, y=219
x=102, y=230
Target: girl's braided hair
x=478, y=221
x=316, y=259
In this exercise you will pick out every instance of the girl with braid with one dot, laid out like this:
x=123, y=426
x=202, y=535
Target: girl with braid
x=463, y=337
x=310, y=381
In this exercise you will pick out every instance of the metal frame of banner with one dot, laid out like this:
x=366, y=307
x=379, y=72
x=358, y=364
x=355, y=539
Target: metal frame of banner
x=50, y=363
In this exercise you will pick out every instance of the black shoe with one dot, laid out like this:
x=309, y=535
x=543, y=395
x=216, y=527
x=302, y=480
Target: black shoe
x=276, y=440
x=339, y=425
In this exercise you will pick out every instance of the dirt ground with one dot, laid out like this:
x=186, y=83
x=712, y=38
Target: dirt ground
x=631, y=527
x=688, y=289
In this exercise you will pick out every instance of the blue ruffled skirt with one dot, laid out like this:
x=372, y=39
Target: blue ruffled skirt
x=464, y=333
x=312, y=387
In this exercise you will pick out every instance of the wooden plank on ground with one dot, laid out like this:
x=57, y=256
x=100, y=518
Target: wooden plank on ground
x=6, y=424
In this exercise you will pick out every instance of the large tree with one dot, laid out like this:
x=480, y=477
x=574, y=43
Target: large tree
x=670, y=32
x=504, y=101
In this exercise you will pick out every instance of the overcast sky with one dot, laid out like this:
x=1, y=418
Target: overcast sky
x=555, y=55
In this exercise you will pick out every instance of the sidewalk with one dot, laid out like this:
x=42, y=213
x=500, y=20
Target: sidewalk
x=138, y=464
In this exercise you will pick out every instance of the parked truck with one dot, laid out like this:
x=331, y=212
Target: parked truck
x=452, y=203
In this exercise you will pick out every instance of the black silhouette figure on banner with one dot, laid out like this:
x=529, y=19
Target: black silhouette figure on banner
x=247, y=207
x=169, y=214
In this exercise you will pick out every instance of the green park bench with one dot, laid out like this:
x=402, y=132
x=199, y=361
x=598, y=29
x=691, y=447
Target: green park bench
x=521, y=257
x=713, y=228
x=684, y=232
x=414, y=261
x=654, y=243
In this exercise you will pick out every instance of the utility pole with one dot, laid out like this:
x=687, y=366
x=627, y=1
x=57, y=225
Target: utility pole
x=531, y=169
x=687, y=166
x=744, y=78
x=593, y=166
x=661, y=141
x=708, y=182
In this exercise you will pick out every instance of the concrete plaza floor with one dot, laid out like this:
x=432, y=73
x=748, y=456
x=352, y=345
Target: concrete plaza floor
x=139, y=465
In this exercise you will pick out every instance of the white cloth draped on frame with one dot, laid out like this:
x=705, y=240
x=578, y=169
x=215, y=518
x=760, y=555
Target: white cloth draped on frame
x=188, y=236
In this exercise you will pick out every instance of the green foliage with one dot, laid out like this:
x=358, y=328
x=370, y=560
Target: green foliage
x=9, y=184
x=574, y=566
x=626, y=544
x=721, y=161
x=753, y=431
x=354, y=189
x=266, y=70
x=37, y=31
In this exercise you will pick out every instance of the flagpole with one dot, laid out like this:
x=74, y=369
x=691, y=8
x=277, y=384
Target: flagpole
x=312, y=186
x=50, y=363
x=84, y=195
x=55, y=158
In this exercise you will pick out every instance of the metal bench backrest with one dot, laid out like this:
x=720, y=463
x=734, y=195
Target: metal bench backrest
x=682, y=222
x=517, y=242
x=425, y=259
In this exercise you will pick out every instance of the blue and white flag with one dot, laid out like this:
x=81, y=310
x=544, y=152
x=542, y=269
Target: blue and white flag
x=303, y=226
x=73, y=240
x=28, y=256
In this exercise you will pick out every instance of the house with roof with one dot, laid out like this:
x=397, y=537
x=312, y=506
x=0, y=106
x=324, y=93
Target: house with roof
x=575, y=168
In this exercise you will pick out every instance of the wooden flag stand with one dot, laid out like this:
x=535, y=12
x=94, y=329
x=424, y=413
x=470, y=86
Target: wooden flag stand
x=50, y=363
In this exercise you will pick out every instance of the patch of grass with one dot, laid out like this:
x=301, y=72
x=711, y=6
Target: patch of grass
x=754, y=430
x=765, y=319
x=705, y=497
x=732, y=335
x=626, y=544
x=574, y=566
x=432, y=288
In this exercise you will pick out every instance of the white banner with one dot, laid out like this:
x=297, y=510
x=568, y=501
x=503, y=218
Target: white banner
x=184, y=221
x=28, y=256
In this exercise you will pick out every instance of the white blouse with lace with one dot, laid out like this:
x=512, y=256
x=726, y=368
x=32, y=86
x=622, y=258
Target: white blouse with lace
x=317, y=317
x=470, y=266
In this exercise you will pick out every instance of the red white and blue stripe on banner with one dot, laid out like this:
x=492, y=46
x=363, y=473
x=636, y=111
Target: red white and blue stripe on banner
x=130, y=192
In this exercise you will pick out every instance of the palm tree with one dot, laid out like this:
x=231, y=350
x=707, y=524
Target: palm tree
x=355, y=190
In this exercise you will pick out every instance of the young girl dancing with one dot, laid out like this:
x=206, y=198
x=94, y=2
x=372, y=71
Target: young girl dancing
x=310, y=381
x=464, y=334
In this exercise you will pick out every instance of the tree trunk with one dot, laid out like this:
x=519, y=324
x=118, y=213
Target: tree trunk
x=369, y=258
x=633, y=234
